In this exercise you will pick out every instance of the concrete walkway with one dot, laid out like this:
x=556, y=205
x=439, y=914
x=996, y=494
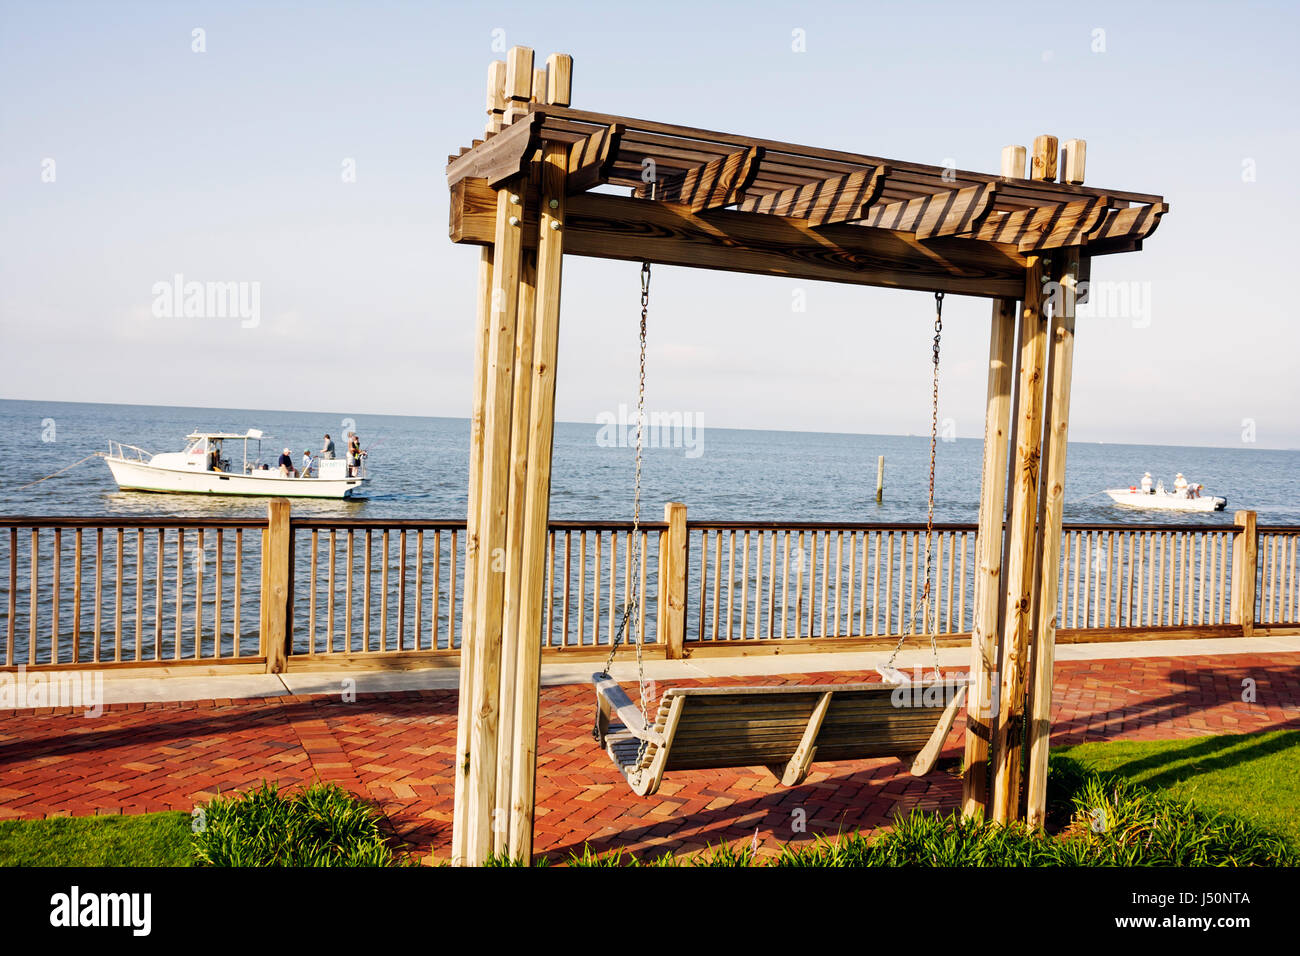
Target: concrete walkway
x=177, y=686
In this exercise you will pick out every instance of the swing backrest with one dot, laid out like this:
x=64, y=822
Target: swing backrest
x=719, y=727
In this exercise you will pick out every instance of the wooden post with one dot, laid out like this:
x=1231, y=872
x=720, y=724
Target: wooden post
x=1045, y=158
x=541, y=431
x=277, y=543
x=880, y=478
x=521, y=409
x=1018, y=625
x=1038, y=736
x=479, y=789
x=519, y=82
x=1013, y=162
x=495, y=109
x=1073, y=158
x=1245, y=545
x=672, y=582
x=988, y=578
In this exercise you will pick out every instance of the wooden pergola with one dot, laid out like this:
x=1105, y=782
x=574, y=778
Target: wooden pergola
x=529, y=192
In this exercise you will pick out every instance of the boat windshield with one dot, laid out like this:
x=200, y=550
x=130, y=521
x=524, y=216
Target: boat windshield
x=196, y=447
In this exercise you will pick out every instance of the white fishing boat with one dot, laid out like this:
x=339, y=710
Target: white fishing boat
x=1161, y=500
x=204, y=468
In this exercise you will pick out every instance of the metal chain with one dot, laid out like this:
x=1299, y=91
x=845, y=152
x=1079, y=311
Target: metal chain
x=929, y=517
x=632, y=604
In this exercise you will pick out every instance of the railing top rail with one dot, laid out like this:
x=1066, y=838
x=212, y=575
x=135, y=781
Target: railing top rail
x=821, y=526
x=1278, y=528
x=128, y=521
x=696, y=525
x=442, y=524
x=378, y=524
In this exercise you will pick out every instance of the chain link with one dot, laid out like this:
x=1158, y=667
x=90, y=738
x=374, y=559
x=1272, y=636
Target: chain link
x=631, y=605
x=929, y=517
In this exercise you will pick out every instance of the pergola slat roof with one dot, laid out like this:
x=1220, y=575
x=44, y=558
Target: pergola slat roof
x=973, y=228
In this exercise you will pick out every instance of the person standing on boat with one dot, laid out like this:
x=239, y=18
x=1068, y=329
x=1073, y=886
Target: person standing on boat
x=305, y=471
x=354, y=454
x=286, y=464
x=328, y=450
x=214, y=457
x=1146, y=483
x=1180, y=485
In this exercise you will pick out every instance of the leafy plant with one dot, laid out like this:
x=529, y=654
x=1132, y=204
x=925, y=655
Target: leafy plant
x=321, y=825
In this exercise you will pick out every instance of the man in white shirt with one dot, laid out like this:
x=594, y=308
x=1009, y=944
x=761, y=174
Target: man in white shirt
x=1146, y=483
x=1180, y=485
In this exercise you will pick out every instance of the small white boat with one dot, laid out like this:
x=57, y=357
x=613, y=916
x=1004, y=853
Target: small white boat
x=203, y=468
x=1161, y=500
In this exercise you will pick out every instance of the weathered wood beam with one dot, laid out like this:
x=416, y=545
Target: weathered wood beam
x=980, y=709
x=839, y=199
x=1047, y=227
x=712, y=185
x=591, y=159
x=938, y=214
x=935, y=174
x=1018, y=622
x=499, y=158
x=1137, y=222
x=618, y=227
x=1055, y=437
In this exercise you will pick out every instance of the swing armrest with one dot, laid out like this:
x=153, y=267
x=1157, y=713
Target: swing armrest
x=611, y=699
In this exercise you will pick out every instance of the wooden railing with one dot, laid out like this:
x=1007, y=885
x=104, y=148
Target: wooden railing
x=389, y=588
x=778, y=581
x=1279, y=577
x=131, y=591
x=309, y=591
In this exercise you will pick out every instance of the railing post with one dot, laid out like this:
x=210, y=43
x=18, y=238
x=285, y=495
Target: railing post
x=276, y=549
x=1244, y=569
x=672, y=581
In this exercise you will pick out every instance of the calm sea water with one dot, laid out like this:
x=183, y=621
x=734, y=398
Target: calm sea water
x=419, y=468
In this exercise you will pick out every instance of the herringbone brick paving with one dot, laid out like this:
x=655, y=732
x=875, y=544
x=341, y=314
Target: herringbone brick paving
x=396, y=751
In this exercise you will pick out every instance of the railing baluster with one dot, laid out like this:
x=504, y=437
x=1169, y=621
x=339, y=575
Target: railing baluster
x=758, y=585
x=582, y=587
x=595, y=594
x=237, y=635
x=180, y=589
x=453, y=557
x=13, y=597
x=312, y=585
x=347, y=600
x=419, y=587
x=568, y=548
x=641, y=592
x=401, y=591
x=731, y=584
x=744, y=587
x=717, y=579
x=365, y=598
x=435, y=605
x=785, y=585
x=329, y=593
x=36, y=590
x=76, y=599
x=218, y=596
x=383, y=591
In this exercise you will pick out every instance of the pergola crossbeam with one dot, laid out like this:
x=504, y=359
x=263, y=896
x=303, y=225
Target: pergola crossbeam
x=636, y=230
x=937, y=214
x=839, y=199
x=590, y=158
x=712, y=185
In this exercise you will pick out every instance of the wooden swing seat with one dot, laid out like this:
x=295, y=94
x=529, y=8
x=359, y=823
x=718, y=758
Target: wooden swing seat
x=783, y=728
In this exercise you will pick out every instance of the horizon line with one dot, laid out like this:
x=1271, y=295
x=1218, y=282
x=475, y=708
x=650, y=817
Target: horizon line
x=790, y=431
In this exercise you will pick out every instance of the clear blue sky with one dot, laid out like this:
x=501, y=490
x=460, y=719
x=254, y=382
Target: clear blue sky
x=226, y=165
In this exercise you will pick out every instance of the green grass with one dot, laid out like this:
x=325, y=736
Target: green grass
x=1255, y=777
x=149, y=839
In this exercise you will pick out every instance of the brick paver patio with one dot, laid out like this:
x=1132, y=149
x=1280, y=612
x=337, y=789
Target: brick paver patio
x=396, y=750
